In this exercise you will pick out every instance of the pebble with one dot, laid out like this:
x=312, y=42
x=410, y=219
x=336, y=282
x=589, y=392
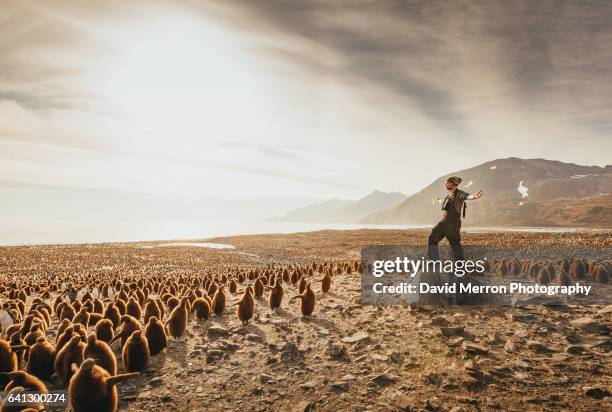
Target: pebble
x=253, y=337
x=474, y=349
x=587, y=324
x=359, y=336
x=213, y=355
x=384, y=379
x=217, y=331
x=339, y=386
x=452, y=330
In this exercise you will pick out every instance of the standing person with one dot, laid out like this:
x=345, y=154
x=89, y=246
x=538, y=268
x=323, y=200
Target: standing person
x=450, y=225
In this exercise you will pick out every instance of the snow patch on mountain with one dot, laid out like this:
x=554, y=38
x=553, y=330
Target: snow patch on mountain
x=522, y=189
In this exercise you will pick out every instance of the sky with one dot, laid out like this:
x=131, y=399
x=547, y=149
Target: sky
x=210, y=108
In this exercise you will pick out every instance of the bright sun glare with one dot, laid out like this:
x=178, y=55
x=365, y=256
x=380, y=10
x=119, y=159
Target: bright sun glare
x=184, y=78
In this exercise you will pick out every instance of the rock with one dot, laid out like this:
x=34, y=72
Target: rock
x=290, y=353
x=226, y=345
x=457, y=409
x=576, y=349
x=511, y=346
x=337, y=351
x=396, y=357
x=254, y=338
x=401, y=401
x=216, y=331
x=377, y=356
x=452, y=330
x=213, y=355
x=455, y=341
x=195, y=353
x=596, y=392
x=474, y=349
x=144, y=395
x=467, y=400
x=470, y=364
x=538, y=346
x=432, y=378
x=308, y=385
x=263, y=378
x=439, y=321
x=359, y=336
x=339, y=386
x=165, y=397
x=348, y=377
x=384, y=379
x=199, y=389
x=587, y=324
x=156, y=381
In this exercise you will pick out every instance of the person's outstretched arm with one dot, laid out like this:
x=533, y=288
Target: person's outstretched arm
x=475, y=196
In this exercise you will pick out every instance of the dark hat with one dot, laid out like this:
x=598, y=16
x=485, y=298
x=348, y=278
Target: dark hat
x=456, y=180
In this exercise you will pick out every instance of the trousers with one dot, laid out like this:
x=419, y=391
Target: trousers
x=449, y=229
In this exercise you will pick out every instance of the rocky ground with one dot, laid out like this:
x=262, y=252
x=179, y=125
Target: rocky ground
x=349, y=356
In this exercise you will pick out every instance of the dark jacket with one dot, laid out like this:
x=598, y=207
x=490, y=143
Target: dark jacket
x=453, y=205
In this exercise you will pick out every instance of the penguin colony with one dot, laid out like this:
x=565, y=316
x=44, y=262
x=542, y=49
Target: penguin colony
x=561, y=272
x=139, y=315
x=142, y=315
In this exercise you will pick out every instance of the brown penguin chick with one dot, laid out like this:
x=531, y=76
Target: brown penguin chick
x=276, y=294
x=172, y=303
x=162, y=308
x=201, y=308
x=326, y=282
x=82, y=317
x=35, y=332
x=8, y=357
x=16, y=341
x=187, y=303
x=133, y=308
x=544, y=277
x=563, y=278
x=246, y=306
x=6, y=406
x=151, y=310
x=302, y=285
x=233, y=286
x=156, y=336
x=218, y=302
x=104, y=330
x=308, y=301
x=120, y=305
x=64, y=339
x=98, y=306
x=258, y=288
x=177, y=321
x=62, y=328
x=112, y=313
x=136, y=355
x=41, y=359
x=71, y=353
x=94, y=318
x=92, y=388
x=128, y=326
x=101, y=352
x=67, y=311
x=25, y=380
x=601, y=275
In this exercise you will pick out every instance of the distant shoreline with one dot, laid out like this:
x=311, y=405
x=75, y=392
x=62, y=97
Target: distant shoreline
x=384, y=228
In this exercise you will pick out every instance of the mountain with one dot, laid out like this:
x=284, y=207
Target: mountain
x=345, y=211
x=518, y=192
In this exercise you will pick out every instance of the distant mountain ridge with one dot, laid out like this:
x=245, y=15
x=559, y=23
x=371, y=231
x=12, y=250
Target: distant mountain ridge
x=518, y=192
x=344, y=211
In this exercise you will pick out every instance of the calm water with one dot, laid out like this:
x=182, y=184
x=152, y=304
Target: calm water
x=99, y=232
